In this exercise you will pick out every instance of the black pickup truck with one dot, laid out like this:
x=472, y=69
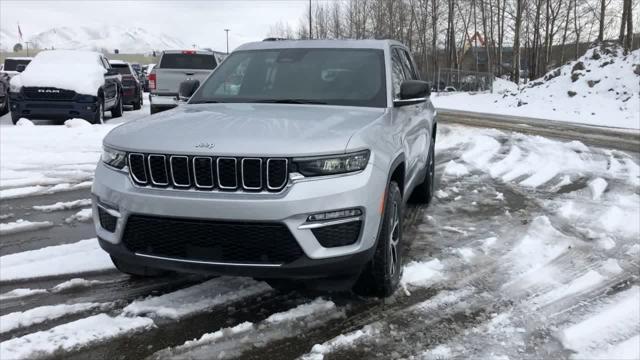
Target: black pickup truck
x=131, y=84
x=64, y=84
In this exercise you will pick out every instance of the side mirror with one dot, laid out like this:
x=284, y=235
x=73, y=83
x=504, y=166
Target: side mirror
x=20, y=67
x=413, y=92
x=187, y=88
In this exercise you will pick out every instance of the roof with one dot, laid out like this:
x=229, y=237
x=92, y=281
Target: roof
x=118, y=62
x=286, y=44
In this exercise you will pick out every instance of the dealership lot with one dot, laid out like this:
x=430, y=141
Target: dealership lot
x=512, y=257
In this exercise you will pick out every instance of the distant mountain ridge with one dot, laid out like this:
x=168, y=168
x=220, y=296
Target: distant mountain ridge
x=100, y=38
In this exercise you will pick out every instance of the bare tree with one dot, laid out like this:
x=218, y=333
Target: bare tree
x=516, y=42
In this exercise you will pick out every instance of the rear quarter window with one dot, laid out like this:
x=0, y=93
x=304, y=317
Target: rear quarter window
x=187, y=61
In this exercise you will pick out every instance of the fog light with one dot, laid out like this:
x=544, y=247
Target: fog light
x=332, y=215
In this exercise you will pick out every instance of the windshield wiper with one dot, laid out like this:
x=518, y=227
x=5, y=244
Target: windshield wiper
x=290, y=101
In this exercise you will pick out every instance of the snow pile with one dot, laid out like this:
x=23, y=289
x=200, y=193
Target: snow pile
x=82, y=256
x=24, y=122
x=76, y=122
x=82, y=216
x=422, y=273
x=68, y=205
x=601, y=88
x=318, y=351
x=80, y=71
x=197, y=298
x=23, y=225
x=73, y=335
x=17, y=320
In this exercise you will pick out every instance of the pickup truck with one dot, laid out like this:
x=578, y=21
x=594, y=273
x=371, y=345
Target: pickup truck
x=64, y=84
x=174, y=67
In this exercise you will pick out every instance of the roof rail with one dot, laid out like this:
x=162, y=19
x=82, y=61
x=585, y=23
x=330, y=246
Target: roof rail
x=274, y=39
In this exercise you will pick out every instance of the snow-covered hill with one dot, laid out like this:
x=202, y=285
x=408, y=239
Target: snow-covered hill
x=7, y=39
x=601, y=88
x=109, y=38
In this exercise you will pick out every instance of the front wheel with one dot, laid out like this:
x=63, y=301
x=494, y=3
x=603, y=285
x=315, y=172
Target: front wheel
x=381, y=276
x=116, y=111
x=5, y=105
x=137, y=105
x=98, y=116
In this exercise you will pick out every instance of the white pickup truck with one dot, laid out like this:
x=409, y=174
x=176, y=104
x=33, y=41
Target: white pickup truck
x=174, y=67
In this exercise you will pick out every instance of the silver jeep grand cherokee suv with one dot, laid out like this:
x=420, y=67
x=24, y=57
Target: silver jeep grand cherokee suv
x=292, y=160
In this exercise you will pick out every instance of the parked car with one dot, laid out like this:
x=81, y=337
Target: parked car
x=293, y=160
x=131, y=87
x=174, y=67
x=4, y=94
x=142, y=76
x=15, y=65
x=63, y=84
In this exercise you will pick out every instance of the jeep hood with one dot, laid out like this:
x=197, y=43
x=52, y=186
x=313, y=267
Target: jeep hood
x=245, y=130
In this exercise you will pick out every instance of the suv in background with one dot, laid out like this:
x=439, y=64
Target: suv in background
x=63, y=84
x=174, y=67
x=131, y=87
x=293, y=160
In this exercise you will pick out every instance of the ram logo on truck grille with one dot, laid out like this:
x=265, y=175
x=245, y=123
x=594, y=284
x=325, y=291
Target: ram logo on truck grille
x=49, y=91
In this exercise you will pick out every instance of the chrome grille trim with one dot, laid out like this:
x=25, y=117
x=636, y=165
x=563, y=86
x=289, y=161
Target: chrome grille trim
x=144, y=168
x=173, y=179
x=235, y=165
x=286, y=177
x=195, y=177
x=242, y=174
x=164, y=161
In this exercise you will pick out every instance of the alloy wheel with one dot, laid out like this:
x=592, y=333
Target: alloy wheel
x=394, y=239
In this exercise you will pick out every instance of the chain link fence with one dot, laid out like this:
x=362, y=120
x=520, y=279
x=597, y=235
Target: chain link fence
x=462, y=80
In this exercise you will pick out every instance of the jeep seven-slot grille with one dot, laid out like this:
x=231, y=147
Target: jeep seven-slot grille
x=207, y=172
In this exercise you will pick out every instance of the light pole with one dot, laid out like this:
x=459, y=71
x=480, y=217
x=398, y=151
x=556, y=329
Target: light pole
x=227, y=31
x=27, y=43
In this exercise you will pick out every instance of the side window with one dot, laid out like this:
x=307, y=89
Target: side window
x=397, y=74
x=105, y=63
x=407, y=64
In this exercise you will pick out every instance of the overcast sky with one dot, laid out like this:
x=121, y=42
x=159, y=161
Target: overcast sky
x=195, y=22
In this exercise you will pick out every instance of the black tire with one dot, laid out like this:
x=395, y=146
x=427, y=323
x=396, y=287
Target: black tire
x=423, y=193
x=5, y=105
x=136, y=270
x=15, y=117
x=98, y=116
x=137, y=105
x=381, y=276
x=117, y=110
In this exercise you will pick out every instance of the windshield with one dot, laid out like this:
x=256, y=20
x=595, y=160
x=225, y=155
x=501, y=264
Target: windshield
x=12, y=64
x=187, y=61
x=353, y=77
x=122, y=69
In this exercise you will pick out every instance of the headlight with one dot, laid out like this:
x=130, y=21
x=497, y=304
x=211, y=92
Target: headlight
x=334, y=164
x=114, y=158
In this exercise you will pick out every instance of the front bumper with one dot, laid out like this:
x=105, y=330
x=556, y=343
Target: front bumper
x=291, y=207
x=42, y=109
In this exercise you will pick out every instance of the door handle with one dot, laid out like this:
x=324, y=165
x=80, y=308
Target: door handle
x=189, y=73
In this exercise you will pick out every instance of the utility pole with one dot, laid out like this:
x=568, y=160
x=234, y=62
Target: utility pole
x=310, y=32
x=27, y=43
x=227, y=31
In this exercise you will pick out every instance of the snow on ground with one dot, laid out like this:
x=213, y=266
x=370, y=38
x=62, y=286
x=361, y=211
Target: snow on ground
x=73, y=335
x=82, y=256
x=23, y=225
x=197, y=298
x=318, y=351
x=41, y=314
x=71, y=155
x=82, y=215
x=231, y=342
x=600, y=88
x=67, y=205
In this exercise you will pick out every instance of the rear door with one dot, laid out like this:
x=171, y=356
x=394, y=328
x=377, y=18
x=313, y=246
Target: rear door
x=111, y=81
x=176, y=67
